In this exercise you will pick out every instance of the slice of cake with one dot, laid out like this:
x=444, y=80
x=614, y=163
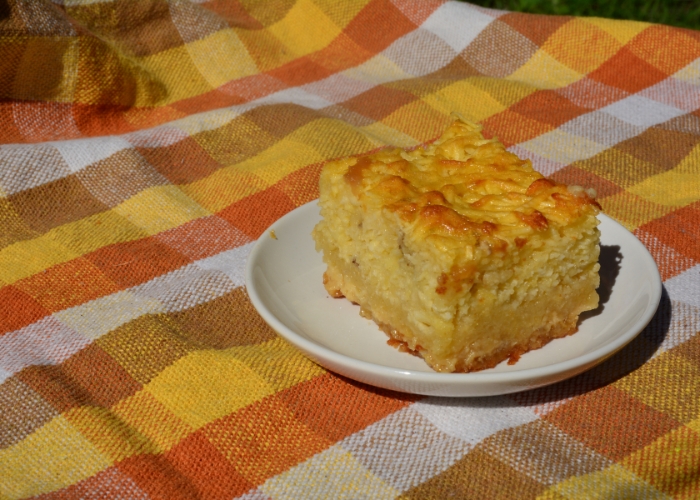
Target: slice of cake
x=459, y=251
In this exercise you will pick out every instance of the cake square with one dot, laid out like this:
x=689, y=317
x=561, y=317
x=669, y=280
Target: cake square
x=459, y=250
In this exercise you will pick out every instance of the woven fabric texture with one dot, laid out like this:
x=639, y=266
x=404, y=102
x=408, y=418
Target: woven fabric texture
x=146, y=144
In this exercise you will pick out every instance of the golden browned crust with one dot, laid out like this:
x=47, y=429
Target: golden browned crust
x=332, y=288
x=490, y=194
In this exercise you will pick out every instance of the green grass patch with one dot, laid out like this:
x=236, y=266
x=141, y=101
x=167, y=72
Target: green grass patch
x=682, y=13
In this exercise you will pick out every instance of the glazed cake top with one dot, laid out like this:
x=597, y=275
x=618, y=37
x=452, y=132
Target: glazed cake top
x=465, y=187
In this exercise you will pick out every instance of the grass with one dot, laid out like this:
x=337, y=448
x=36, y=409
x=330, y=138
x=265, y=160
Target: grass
x=682, y=13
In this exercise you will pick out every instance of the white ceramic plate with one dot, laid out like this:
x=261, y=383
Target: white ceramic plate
x=284, y=282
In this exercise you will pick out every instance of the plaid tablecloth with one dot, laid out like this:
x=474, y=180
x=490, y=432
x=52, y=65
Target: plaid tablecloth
x=145, y=146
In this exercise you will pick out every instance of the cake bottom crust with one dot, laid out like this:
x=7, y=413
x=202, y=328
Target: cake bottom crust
x=511, y=353
x=339, y=284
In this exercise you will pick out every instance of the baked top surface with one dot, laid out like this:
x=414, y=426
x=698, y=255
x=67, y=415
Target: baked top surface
x=464, y=186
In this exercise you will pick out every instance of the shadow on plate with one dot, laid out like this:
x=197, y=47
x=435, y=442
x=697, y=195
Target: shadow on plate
x=631, y=357
x=627, y=360
x=609, y=260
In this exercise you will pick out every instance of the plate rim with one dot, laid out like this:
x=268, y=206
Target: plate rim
x=579, y=363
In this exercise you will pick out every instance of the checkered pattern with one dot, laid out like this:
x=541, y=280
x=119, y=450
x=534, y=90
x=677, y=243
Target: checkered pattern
x=145, y=145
